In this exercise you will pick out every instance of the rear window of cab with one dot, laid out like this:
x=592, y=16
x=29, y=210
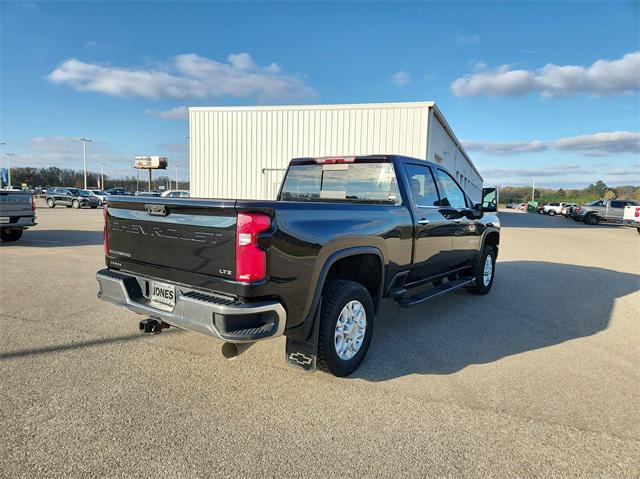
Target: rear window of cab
x=346, y=182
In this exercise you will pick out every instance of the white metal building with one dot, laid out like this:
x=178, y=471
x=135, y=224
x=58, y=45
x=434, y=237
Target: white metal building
x=242, y=152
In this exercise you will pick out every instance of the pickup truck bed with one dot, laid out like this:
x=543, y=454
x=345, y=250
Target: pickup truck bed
x=245, y=270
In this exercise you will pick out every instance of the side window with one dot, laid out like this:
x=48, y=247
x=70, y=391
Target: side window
x=423, y=188
x=452, y=195
x=617, y=204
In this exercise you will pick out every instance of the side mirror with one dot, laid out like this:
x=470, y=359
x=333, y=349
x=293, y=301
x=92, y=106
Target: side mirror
x=489, y=200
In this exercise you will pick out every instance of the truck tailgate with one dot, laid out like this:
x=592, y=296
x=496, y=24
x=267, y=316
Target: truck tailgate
x=15, y=203
x=168, y=237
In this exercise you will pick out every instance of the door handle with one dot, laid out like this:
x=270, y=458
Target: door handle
x=423, y=221
x=457, y=221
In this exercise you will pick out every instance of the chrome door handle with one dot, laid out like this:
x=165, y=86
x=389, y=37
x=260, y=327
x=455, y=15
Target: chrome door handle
x=457, y=221
x=423, y=221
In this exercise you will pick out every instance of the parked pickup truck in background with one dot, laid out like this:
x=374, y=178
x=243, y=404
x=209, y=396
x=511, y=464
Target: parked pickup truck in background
x=602, y=210
x=631, y=216
x=17, y=213
x=314, y=265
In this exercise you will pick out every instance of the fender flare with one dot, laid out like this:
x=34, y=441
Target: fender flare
x=305, y=326
x=486, y=233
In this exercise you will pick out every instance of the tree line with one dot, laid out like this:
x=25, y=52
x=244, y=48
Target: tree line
x=595, y=191
x=54, y=176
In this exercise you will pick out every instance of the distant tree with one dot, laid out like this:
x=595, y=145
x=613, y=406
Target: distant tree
x=609, y=195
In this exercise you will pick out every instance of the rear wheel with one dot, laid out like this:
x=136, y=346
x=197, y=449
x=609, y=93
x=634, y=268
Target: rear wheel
x=638, y=230
x=51, y=203
x=8, y=235
x=75, y=204
x=484, y=272
x=346, y=327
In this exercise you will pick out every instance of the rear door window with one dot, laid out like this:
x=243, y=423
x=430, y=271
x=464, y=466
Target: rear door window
x=422, y=185
x=364, y=182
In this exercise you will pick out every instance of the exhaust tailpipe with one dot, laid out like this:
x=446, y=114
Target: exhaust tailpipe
x=233, y=350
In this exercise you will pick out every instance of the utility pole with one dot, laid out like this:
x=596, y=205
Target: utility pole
x=101, y=176
x=177, y=178
x=84, y=158
x=533, y=190
x=9, y=155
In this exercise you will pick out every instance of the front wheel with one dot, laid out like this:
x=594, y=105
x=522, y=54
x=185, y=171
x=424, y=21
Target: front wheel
x=552, y=213
x=8, y=235
x=50, y=203
x=592, y=220
x=484, y=272
x=75, y=204
x=346, y=327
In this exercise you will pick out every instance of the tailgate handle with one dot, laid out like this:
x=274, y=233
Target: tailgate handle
x=156, y=210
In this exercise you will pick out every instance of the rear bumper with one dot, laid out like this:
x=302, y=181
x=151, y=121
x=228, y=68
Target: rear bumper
x=195, y=311
x=23, y=222
x=632, y=223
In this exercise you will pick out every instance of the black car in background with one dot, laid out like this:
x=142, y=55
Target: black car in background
x=71, y=198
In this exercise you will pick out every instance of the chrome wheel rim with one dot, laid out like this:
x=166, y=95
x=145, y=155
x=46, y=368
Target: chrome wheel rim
x=350, y=330
x=488, y=270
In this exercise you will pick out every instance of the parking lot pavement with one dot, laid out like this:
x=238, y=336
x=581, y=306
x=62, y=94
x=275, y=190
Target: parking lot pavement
x=539, y=378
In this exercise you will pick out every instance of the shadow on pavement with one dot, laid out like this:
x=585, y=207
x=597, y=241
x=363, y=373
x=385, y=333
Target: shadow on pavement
x=61, y=348
x=529, y=307
x=35, y=238
x=534, y=220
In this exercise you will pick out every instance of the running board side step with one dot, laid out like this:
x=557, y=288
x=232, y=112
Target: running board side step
x=436, y=291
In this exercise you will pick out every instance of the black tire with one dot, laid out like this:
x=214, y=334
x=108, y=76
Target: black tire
x=576, y=219
x=478, y=273
x=51, y=203
x=638, y=230
x=94, y=207
x=552, y=212
x=8, y=235
x=335, y=296
x=591, y=219
x=75, y=204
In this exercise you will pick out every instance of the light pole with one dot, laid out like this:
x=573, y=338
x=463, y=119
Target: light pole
x=177, y=178
x=84, y=158
x=101, y=176
x=9, y=155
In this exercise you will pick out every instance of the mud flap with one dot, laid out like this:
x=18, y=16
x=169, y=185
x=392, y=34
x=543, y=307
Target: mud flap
x=303, y=354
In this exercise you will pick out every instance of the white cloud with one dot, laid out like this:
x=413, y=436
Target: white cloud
x=601, y=144
x=175, y=113
x=463, y=39
x=603, y=77
x=186, y=76
x=505, y=148
x=400, y=78
x=597, y=144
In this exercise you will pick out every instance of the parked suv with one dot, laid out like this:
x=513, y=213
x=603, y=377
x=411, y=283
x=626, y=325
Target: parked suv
x=71, y=197
x=602, y=210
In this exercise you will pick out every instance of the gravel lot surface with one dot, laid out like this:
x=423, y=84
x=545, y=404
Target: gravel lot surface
x=539, y=378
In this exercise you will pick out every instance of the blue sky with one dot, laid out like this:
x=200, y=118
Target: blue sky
x=534, y=88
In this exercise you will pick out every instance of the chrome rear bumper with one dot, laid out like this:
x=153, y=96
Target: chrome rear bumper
x=196, y=311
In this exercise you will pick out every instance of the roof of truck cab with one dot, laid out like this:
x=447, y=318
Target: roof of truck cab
x=384, y=157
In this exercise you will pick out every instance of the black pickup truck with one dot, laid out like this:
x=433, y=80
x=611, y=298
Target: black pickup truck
x=313, y=265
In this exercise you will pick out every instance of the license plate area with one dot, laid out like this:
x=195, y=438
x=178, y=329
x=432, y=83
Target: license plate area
x=163, y=293
x=5, y=220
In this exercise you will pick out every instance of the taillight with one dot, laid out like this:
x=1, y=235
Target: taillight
x=33, y=203
x=251, y=260
x=105, y=212
x=637, y=213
